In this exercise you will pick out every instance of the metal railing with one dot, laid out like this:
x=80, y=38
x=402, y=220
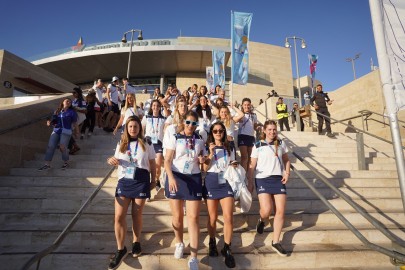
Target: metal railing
x=357, y=129
x=40, y=255
x=396, y=258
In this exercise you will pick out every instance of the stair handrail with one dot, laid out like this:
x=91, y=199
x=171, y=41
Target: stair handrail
x=394, y=255
x=46, y=251
x=353, y=127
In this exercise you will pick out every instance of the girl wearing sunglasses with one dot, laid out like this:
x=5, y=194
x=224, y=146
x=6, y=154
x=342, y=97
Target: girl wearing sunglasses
x=136, y=169
x=217, y=190
x=270, y=167
x=184, y=155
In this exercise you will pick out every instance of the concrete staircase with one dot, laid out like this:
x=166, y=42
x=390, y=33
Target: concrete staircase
x=35, y=207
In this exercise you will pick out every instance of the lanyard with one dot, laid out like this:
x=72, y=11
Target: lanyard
x=247, y=120
x=61, y=118
x=216, y=158
x=132, y=111
x=157, y=125
x=131, y=157
x=190, y=152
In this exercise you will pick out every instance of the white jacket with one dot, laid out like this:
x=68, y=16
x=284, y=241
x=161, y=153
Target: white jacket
x=236, y=179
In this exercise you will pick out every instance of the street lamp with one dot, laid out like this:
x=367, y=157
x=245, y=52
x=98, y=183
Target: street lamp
x=124, y=40
x=352, y=60
x=303, y=46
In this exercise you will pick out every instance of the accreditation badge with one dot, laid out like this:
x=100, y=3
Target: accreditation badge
x=188, y=167
x=130, y=172
x=221, y=178
x=154, y=139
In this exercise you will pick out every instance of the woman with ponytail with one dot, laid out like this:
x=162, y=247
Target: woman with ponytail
x=270, y=166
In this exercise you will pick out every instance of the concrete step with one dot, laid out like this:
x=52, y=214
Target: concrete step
x=56, y=171
x=347, y=174
x=344, y=160
x=77, y=164
x=109, y=192
x=260, y=258
x=81, y=157
x=294, y=182
x=103, y=205
x=82, y=242
x=104, y=222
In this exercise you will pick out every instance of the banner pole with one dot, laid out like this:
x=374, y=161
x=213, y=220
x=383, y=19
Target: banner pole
x=388, y=90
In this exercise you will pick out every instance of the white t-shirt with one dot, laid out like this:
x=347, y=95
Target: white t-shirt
x=141, y=157
x=246, y=124
x=169, y=132
x=154, y=125
x=130, y=89
x=129, y=112
x=221, y=162
x=99, y=95
x=182, y=154
x=267, y=162
x=113, y=93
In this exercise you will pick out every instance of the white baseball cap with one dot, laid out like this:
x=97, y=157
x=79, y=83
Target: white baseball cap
x=115, y=78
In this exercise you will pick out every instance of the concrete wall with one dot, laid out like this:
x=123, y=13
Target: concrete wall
x=22, y=144
x=365, y=93
x=13, y=67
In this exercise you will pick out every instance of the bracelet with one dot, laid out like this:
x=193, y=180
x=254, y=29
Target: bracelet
x=287, y=173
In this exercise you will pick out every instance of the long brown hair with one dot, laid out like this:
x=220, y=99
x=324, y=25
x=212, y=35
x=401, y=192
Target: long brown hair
x=125, y=137
x=263, y=135
x=211, y=139
x=60, y=108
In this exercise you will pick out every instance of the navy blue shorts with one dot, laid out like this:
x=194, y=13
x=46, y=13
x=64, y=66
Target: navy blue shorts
x=246, y=140
x=114, y=107
x=212, y=190
x=158, y=147
x=189, y=187
x=270, y=185
x=138, y=188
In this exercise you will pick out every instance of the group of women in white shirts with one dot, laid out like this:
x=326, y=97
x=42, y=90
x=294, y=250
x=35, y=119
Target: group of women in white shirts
x=192, y=139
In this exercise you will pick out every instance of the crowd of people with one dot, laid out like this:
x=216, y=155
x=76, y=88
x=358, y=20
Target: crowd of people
x=183, y=142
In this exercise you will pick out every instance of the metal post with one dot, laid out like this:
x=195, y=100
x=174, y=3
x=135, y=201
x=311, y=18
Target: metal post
x=354, y=70
x=130, y=52
x=298, y=73
x=361, y=159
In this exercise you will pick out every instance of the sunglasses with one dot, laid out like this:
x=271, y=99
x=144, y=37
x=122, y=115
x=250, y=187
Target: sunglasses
x=216, y=131
x=193, y=123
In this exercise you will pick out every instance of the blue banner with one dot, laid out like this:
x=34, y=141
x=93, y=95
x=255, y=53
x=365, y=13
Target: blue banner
x=218, y=62
x=239, y=41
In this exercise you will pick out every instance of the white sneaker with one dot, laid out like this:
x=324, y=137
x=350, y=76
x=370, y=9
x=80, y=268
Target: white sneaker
x=193, y=263
x=178, y=253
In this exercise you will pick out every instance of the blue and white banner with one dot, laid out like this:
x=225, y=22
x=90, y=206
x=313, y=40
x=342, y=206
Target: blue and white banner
x=218, y=62
x=209, y=78
x=239, y=41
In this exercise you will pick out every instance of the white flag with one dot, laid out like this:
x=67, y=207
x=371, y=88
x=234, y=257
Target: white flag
x=390, y=16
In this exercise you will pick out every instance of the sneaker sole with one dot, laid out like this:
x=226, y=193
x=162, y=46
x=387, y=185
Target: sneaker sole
x=136, y=255
x=278, y=252
x=118, y=265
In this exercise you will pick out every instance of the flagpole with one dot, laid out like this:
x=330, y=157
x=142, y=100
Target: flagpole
x=231, y=83
x=386, y=80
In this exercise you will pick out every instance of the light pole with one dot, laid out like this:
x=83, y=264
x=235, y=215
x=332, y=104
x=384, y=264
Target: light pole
x=303, y=46
x=124, y=40
x=352, y=60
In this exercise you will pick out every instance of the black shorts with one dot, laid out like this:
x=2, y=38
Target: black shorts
x=114, y=108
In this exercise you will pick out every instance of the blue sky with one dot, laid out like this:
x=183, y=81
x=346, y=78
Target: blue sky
x=334, y=30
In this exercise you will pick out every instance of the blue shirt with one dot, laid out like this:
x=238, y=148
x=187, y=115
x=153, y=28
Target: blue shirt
x=65, y=120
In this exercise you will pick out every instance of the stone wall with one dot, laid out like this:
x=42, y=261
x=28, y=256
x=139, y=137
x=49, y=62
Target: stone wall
x=32, y=137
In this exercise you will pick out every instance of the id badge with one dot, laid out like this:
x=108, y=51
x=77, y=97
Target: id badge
x=221, y=179
x=188, y=167
x=130, y=172
x=154, y=139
